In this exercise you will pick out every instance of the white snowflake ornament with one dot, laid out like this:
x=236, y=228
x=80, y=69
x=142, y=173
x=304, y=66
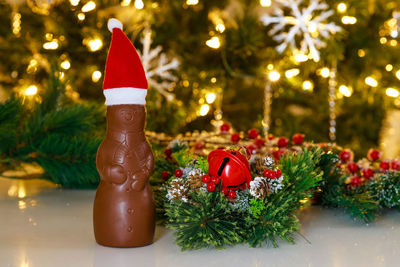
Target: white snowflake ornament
x=157, y=66
x=306, y=23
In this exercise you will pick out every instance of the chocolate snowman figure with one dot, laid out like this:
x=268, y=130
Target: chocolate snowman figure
x=124, y=210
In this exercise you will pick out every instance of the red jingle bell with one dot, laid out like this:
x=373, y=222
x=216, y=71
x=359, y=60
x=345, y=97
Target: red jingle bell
x=231, y=167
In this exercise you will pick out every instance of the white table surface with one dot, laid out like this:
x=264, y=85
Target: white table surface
x=41, y=226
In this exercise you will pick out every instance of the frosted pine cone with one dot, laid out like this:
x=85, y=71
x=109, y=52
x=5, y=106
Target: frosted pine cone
x=194, y=181
x=268, y=162
x=259, y=188
x=178, y=189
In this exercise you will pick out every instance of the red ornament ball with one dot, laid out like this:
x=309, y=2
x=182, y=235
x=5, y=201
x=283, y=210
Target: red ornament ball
x=278, y=173
x=298, y=138
x=211, y=187
x=178, y=173
x=168, y=152
x=232, y=194
x=367, y=173
x=352, y=167
x=252, y=133
x=235, y=138
x=373, y=154
x=283, y=142
x=345, y=155
x=384, y=165
x=396, y=165
x=206, y=178
x=224, y=128
x=215, y=180
x=165, y=175
x=356, y=181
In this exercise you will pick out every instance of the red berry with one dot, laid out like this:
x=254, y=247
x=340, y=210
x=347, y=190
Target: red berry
x=210, y=187
x=225, y=128
x=298, y=138
x=165, y=175
x=278, y=173
x=235, y=138
x=251, y=149
x=384, y=165
x=283, y=142
x=352, y=167
x=252, y=133
x=232, y=194
x=277, y=154
x=355, y=180
x=225, y=191
x=206, y=178
x=199, y=145
x=368, y=173
x=345, y=155
x=271, y=137
x=272, y=175
x=395, y=165
x=266, y=172
x=373, y=154
x=259, y=142
x=168, y=152
x=215, y=180
x=178, y=173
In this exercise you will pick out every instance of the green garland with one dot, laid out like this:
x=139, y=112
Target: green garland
x=361, y=203
x=209, y=219
x=54, y=133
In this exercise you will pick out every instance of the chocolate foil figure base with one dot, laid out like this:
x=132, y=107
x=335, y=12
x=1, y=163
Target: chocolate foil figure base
x=124, y=209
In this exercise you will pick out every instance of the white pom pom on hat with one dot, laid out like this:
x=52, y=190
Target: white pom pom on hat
x=114, y=23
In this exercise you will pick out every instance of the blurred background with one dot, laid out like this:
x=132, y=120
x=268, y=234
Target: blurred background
x=329, y=69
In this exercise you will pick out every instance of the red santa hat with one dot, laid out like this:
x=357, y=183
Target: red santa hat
x=124, y=78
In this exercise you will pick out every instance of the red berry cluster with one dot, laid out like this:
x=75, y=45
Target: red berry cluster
x=211, y=182
x=272, y=174
x=385, y=165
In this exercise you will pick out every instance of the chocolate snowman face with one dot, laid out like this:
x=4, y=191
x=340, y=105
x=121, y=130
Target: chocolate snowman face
x=126, y=117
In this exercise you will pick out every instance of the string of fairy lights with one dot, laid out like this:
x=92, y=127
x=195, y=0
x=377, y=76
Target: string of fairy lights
x=211, y=98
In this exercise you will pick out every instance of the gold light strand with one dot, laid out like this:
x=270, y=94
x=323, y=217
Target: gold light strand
x=16, y=23
x=331, y=100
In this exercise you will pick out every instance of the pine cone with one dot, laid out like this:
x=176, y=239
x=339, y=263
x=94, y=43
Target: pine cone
x=194, y=181
x=259, y=188
x=178, y=189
